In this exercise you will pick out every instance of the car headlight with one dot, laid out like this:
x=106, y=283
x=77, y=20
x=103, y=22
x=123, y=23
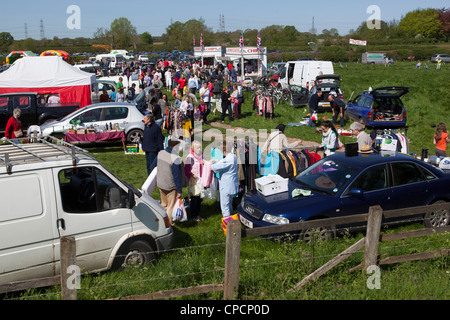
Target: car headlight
x=275, y=219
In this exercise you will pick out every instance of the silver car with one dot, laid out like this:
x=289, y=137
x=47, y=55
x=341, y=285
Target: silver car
x=101, y=116
x=444, y=57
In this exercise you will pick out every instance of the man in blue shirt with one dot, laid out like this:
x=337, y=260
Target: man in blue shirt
x=153, y=140
x=314, y=106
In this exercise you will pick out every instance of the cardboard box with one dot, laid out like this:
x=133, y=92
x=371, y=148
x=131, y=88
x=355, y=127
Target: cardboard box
x=271, y=184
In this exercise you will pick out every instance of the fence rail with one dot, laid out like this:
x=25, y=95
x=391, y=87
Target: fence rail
x=372, y=221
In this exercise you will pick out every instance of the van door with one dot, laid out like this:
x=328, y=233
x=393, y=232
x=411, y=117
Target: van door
x=92, y=207
x=27, y=226
x=4, y=112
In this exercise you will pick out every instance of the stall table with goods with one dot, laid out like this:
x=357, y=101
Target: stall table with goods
x=91, y=136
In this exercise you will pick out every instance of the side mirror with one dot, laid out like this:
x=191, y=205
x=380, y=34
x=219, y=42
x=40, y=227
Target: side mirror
x=131, y=199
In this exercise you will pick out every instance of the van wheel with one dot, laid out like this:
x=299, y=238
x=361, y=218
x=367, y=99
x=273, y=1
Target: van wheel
x=137, y=253
x=438, y=218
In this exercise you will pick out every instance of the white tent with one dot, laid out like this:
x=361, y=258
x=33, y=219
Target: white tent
x=48, y=74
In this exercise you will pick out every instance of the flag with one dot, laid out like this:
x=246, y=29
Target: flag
x=241, y=41
x=258, y=42
x=201, y=40
x=193, y=39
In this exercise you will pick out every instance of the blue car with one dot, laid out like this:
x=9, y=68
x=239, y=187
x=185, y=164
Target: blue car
x=380, y=108
x=340, y=185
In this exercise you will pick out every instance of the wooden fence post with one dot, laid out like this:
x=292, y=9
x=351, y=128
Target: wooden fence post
x=68, y=258
x=372, y=236
x=232, y=259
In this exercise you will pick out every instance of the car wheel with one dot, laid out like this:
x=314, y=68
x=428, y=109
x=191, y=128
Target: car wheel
x=316, y=235
x=137, y=253
x=438, y=218
x=135, y=136
x=346, y=116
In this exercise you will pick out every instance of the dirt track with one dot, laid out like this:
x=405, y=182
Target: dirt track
x=291, y=140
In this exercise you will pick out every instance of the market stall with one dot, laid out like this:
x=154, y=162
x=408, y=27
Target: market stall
x=209, y=55
x=254, y=61
x=48, y=75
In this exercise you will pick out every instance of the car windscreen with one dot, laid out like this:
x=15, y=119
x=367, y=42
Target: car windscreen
x=327, y=176
x=75, y=113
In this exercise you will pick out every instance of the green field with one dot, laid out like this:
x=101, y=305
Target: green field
x=270, y=268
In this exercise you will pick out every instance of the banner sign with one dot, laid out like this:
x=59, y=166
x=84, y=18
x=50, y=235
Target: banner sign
x=208, y=49
x=358, y=42
x=245, y=50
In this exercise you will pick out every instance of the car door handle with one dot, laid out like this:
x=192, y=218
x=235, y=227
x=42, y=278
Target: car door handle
x=61, y=224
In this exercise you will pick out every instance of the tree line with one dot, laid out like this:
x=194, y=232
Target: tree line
x=418, y=27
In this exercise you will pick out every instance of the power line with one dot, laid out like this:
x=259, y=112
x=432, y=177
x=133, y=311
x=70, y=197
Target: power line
x=42, y=30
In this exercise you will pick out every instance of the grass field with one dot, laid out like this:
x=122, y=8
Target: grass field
x=270, y=268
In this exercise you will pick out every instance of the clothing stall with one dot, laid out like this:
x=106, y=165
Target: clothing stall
x=254, y=61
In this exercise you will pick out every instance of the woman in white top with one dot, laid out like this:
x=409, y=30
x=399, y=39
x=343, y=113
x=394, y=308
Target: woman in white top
x=329, y=138
x=186, y=106
x=277, y=141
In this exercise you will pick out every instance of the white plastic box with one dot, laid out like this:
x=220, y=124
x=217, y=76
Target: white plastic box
x=271, y=184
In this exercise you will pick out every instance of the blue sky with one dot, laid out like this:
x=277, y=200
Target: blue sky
x=155, y=16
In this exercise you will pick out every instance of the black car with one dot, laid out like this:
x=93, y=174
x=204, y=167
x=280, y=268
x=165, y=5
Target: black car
x=328, y=84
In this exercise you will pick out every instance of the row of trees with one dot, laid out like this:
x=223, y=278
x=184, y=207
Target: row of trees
x=418, y=26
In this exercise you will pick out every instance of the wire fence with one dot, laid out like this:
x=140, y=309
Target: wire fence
x=270, y=262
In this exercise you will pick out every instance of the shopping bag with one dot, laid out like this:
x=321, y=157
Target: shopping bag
x=225, y=221
x=194, y=187
x=179, y=211
x=150, y=184
x=209, y=192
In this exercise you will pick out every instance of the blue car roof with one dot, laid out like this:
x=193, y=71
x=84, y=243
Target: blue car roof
x=367, y=160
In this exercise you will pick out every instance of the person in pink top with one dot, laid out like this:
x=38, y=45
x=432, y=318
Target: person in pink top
x=193, y=168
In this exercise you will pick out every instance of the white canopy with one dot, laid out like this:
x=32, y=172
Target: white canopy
x=48, y=74
x=44, y=71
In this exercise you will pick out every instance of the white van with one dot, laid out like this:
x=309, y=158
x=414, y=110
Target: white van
x=303, y=73
x=50, y=191
x=115, y=60
x=376, y=58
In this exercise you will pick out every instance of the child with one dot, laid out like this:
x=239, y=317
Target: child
x=120, y=96
x=197, y=113
x=203, y=110
x=440, y=139
x=193, y=168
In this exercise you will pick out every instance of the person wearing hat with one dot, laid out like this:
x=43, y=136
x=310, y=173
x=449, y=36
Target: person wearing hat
x=277, y=141
x=338, y=106
x=168, y=176
x=362, y=137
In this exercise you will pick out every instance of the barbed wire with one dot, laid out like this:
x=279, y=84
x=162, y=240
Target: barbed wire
x=244, y=263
